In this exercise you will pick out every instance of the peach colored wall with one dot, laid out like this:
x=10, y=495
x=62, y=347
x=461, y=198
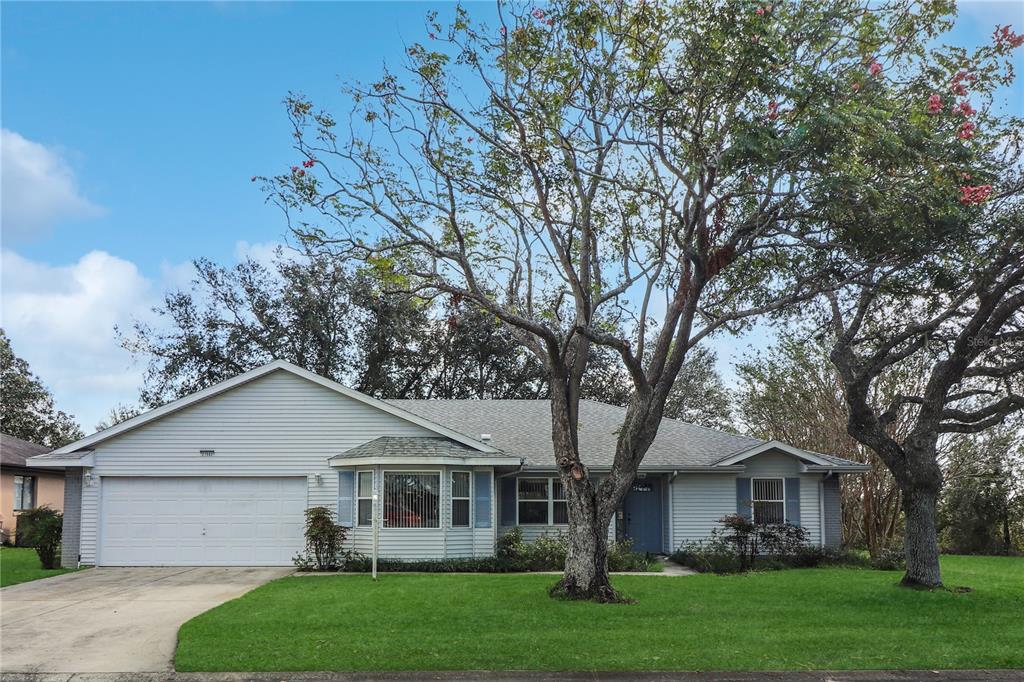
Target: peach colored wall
x=49, y=491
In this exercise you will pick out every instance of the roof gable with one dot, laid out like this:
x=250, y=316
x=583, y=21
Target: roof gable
x=252, y=375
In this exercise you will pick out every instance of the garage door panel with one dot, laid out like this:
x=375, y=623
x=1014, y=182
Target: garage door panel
x=201, y=521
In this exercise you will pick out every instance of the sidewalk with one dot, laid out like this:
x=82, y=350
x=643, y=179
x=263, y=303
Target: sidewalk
x=492, y=676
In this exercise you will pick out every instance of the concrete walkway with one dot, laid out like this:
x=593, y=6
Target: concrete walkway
x=111, y=619
x=492, y=676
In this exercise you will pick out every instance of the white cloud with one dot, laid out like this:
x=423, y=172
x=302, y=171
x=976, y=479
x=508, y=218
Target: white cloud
x=39, y=188
x=262, y=252
x=61, y=320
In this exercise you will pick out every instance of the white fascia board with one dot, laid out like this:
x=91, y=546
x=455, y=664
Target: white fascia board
x=253, y=374
x=835, y=468
x=774, y=445
x=691, y=469
x=416, y=461
x=61, y=462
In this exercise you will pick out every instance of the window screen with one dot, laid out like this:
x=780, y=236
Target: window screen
x=411, y=500
x=768, y=496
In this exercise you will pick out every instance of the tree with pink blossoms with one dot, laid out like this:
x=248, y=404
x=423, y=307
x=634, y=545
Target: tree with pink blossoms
x=640, y=176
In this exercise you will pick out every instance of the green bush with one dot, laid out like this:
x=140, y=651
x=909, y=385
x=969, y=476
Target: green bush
x=714, y=555
x=512, y=555
x=890, y=558
x=741, y=546
x=324, y=540
x=41, y=528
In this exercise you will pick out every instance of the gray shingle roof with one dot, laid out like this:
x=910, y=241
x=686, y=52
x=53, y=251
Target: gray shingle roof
x=522, y=428
x=13, y=451
x=413, y=446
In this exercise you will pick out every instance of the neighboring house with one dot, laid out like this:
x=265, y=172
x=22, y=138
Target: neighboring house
x=23, y=488
x=222, y=477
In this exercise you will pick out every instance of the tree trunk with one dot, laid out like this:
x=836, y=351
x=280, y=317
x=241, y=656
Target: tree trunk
x=922, y=541
x=586, y=566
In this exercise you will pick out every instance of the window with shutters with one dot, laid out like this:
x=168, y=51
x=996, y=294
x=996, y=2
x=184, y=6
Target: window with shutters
x=460, y=499
x=364, y=495
x=768, y=496
x=412, y=500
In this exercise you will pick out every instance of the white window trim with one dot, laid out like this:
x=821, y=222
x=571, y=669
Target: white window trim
x=452, y=498
x=359, y=498
x=440, y=497
x=551, y=500
x=753, y=502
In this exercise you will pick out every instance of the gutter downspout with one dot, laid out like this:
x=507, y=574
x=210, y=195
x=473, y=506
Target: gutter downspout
x=522, y=463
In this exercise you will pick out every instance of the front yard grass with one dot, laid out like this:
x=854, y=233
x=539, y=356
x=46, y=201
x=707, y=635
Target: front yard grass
x=830, y=618
x=21, y=564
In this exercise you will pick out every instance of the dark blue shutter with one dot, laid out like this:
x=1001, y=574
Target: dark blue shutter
x=482, y=497
x=508, y=501
x=793, y=501
x=743, y=506
x=346, y=488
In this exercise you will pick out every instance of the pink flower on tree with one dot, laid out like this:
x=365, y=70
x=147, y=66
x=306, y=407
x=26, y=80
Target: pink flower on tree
x=958, y=86
x=965, y=109
x=773, y=110
x=934, y=103
x=309, y=164
x=294, y=168
x=1004, y=37
x=974, y=195
x=470, y=139
x=966, y=131
x=760, y=11
x=875, y=68
x=537, y=13
x=856, y=87
x=503, y=31
x=300, y=172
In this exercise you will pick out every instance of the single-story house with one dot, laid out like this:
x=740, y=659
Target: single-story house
x=223, y=476
x=22, y=488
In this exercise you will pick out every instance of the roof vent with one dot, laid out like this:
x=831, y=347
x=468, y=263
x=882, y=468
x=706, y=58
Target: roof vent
x=485, y=437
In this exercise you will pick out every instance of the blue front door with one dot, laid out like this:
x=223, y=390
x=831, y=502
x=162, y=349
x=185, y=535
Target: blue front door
x=642, y=512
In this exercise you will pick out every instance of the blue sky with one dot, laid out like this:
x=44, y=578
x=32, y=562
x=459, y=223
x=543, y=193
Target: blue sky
x=130, y=133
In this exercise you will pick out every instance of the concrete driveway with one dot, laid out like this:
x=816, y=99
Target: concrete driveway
x=111, y=619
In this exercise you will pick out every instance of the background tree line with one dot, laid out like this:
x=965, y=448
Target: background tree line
x=335, y=321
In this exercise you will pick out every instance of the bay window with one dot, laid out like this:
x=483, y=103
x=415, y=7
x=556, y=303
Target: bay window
x=411, y=500
x=460, y=499
x=364, y=495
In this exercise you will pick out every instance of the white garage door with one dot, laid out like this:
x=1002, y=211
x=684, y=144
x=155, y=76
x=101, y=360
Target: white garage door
x=201, y=521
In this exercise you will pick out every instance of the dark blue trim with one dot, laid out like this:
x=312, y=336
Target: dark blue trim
x=793, y=501
x=743, y=497
x=508, y=501
x=482, y=498
x=346, y=494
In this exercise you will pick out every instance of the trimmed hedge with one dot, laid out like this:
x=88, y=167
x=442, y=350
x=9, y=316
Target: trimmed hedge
x=513, y=555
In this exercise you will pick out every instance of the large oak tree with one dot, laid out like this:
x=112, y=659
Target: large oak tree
x=623, y=175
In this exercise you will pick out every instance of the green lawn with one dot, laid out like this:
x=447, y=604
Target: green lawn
x=21, y=564
x=813, y=618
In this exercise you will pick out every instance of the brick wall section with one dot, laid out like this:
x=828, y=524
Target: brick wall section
x=72, y=517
